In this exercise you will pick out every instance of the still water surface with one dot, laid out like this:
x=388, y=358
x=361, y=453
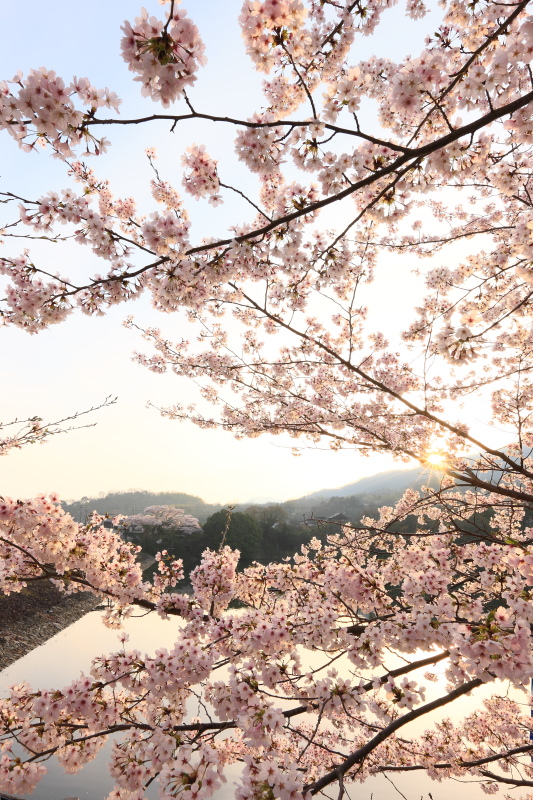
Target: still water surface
x=63, y=657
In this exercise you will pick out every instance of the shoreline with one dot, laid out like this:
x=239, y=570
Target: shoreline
x=32, y=616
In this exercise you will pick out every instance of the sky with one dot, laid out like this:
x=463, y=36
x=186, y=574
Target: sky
x=75, y=365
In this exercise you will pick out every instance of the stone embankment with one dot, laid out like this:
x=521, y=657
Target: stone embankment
x=11, y=797
x=30, y=617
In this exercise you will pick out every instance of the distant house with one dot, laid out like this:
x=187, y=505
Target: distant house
x=108, y=521
x=338, y=517
x=129, y=530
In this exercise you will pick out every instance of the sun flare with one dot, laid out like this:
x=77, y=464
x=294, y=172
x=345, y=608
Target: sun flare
x=436, y=459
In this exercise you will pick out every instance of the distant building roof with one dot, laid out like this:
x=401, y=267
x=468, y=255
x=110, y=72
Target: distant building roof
x=338, y=517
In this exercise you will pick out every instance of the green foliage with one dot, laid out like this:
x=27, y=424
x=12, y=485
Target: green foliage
x=243, y=533
x=284, y=540
x=187, y=546
x=268, y=516
x=263, y=533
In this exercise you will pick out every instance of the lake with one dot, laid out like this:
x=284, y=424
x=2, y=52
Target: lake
x=63, y=657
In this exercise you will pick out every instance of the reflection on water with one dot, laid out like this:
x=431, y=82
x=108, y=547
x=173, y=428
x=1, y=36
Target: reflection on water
x=63, y=657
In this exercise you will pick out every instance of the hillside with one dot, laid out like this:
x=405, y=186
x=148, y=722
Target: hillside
x=353, y=499
x=394, y=480
x=136, y=501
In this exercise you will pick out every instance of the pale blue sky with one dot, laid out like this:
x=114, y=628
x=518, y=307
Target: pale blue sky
x=78, y=363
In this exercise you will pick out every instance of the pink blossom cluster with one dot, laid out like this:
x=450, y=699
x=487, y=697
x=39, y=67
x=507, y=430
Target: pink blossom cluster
x=165, y=56
x=164, y=193
x=269, y=777
x=109, y=227
x=214, y=580
x=270, y=24
x=194, y=774
x=278, y=40
x=201, y=178
x=260, y=148
x=443, y=577
x=163, y=518
x=38, y=537
x=40, y=110
x=335, y=599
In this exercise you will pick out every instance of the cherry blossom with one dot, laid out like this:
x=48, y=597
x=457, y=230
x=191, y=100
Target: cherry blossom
x=40, y=109
x=163, y=518
x=166, y=56
x=305, y=673
x=270, y=711
x=202, y=179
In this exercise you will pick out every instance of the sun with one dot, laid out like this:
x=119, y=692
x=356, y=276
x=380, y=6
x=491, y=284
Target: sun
x=436, y=459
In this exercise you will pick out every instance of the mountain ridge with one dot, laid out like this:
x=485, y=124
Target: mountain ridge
x=389, y=480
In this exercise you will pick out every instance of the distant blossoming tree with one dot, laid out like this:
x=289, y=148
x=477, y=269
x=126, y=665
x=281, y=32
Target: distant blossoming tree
x=449, y=571
x=162, y=518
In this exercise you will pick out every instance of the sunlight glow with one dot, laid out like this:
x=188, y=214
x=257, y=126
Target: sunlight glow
x=436, y=458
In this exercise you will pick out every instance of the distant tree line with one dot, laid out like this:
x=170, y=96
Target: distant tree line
x=135, y=501
x=289, y=512
x=263, y=534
